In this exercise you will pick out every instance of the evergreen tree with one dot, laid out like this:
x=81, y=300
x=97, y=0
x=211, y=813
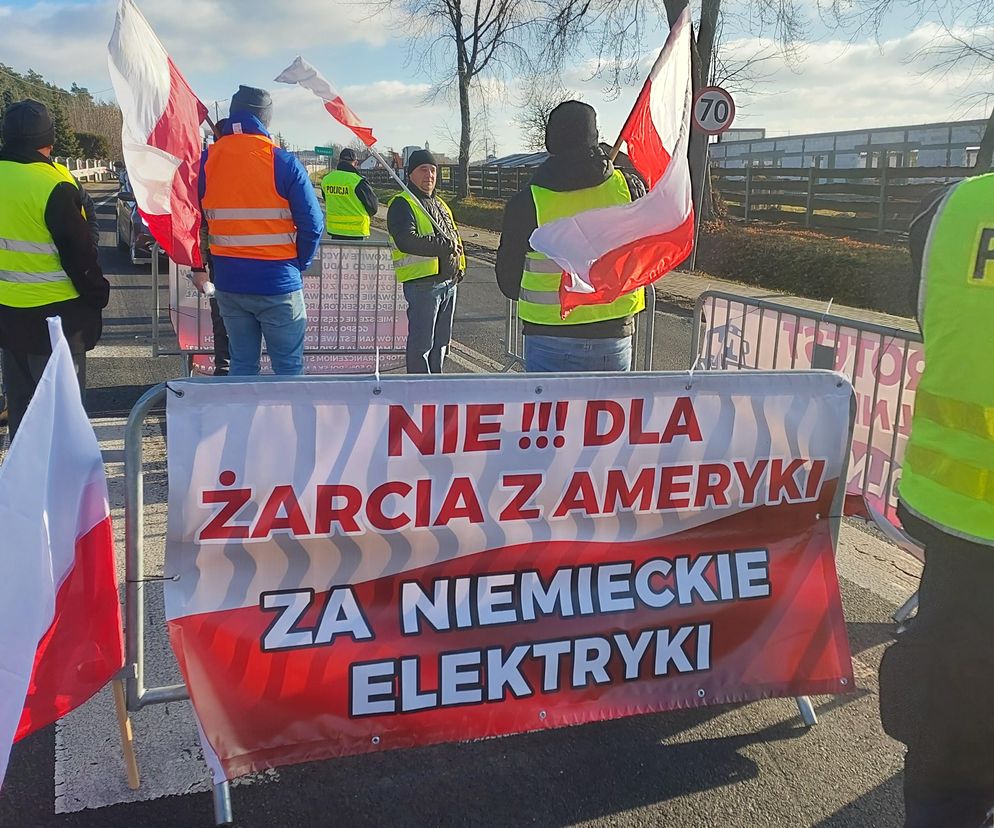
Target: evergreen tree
x=6, y=100
x=65, y=139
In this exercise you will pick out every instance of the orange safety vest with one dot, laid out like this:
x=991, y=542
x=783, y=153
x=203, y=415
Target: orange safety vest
x=246, y=217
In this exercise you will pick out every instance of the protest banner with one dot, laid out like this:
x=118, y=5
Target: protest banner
x=355, y=565
x=354, y=307
x=884, y=369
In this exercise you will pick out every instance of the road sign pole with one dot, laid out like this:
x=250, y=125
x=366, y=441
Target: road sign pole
x=705, y=176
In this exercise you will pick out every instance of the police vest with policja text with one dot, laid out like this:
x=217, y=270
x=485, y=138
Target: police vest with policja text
x=345, y=214
x=948, y=474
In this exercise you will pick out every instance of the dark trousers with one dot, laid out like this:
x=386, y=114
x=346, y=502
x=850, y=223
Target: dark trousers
x=21, y=375
x=222, y=356
x=937, y=685
x=431, y=306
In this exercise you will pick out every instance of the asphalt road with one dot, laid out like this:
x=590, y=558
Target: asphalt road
x=736, y=765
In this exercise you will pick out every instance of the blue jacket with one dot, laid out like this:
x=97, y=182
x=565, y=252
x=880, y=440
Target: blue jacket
x=268, y=277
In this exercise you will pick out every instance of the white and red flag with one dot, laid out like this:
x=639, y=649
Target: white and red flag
x=303, y=74
x=60, y=620
x=610, y=251
x=161, y=134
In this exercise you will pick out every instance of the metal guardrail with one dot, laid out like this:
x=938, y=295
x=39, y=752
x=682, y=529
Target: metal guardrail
x=86, y=168
x=356, y=311
x=642, y=340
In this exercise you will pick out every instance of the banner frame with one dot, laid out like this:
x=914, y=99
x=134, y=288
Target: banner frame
x=139, y=696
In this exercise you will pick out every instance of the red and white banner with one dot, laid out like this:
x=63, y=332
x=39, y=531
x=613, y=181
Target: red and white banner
x=161, y=134
x=300, y=72
x=60, y=620
x=610, y=251
x=884, y=369
x=356, y=565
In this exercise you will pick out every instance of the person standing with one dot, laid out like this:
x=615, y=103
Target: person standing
x=48, y=258
x=349, y=201
x=937, y=679
x=428, y=261
x=264, y=227
x=577, y=176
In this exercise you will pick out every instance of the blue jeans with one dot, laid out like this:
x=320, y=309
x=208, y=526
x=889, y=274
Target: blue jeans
x=430, y=309
x=562, y=354
x=281, y=319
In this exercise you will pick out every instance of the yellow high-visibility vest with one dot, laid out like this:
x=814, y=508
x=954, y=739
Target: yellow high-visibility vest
x=538, y=301
x=31, y=273
x=345, y=214
x=947, y=477
x=407, y=266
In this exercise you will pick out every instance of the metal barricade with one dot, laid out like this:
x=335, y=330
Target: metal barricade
x=883, y=363
x=356, y=312
x=642, y=341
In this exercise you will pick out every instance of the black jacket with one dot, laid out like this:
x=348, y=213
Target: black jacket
x=403, y=228
x=560, y=173
x=363, y=191
x=921, y=224
x=24, y=330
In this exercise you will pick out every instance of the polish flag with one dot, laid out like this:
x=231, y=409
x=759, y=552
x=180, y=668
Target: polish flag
x=302, y=73
x=60, y=620
x=161, y=134
x=610, y=251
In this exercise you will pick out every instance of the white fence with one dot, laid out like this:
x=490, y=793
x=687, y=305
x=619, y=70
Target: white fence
x=87, y=169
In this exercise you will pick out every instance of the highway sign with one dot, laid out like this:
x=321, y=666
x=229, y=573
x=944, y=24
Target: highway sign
x=714, y=110
x=324, y=150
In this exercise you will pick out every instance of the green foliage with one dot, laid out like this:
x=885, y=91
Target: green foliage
x=93, y=146
x=65, y=138
x=804, y=263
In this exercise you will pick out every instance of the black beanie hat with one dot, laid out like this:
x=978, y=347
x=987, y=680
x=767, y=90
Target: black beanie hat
x=419, y=157
x=347, y=155
x=253, y=101
x=28, y=124
x=571, y=126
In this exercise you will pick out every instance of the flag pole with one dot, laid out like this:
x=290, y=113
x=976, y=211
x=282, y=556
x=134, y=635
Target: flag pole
x=127, y=736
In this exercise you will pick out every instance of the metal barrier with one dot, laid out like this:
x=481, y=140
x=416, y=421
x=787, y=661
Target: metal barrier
x=642, y=341
x=356, y=312
x=883, y=364
x=137, y=694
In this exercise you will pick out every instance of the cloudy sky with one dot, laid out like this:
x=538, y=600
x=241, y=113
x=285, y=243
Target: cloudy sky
x=839, y=83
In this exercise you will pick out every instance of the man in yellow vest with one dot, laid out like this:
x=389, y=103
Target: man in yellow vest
x=576, y=177
x=349, y=201
x=428, y=260
x=48, y=259
x=937, y=680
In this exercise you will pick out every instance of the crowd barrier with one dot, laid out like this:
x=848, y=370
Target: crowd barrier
x=138, y=694
x=883, y=363
x=356, y=313
x=642, y=341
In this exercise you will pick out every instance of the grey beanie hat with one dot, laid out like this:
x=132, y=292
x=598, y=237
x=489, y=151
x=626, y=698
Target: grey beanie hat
x=28, y=123
x=253, y=101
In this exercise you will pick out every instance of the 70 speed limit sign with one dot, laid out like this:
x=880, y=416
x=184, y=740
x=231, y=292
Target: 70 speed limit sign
x=713, y=110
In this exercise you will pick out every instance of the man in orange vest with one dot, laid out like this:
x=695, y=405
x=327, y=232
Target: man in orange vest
x=264, y=227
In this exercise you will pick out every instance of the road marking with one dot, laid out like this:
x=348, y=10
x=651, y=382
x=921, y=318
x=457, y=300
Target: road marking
x=469, y=358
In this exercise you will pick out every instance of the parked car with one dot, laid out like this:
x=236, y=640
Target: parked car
x=132, y=233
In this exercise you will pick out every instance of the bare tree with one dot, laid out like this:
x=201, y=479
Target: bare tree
x=460, y=43
x=541, y=94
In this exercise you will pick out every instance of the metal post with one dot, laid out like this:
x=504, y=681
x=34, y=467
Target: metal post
x=155, y=299
x=807, y=711
x=222, y=804
x=906, y=610
x=809, y=204
x=650, y=317
x=705, y=177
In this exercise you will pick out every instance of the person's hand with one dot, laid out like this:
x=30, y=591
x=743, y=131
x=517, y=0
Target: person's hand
x=200, y=279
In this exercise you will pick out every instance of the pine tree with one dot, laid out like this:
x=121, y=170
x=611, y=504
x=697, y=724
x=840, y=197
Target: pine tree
x=7, y=100
x=66, y=144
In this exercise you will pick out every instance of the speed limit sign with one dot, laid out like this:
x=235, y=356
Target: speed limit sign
x=713, y=110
